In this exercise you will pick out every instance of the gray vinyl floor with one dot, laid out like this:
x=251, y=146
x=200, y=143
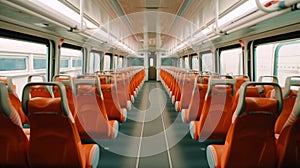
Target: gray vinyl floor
x=152, y=136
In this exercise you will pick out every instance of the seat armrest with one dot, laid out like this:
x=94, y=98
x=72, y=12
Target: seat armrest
x=214, y=153
x=92, y=155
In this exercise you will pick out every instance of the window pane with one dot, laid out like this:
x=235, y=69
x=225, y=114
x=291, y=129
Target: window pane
x=106, y=62
x=135, y=62
x=75, y=56
x=120, y=63
x=264, y=60
x=115, y=62
x=168, y=62
x=195, y=62
x=18, y=59
x=231, y=62
x=94, y=62
x=186, y=63
x=76, y=63
x=64, y=63
x=12, y=64
x=288, y=60
x=207, y=62
x=39, y=63
x=181, y=62
x=151, y=62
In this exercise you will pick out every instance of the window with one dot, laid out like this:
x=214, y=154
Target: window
x=186, y=63
x=264, y=60
x=95, y=60
x=281, y=59
x=12, y=64
x=18, y=59
x=168, y=62
x=135, y=61
x=120, y=62
x=288, y=60
x=106, y=63
x=115, y=62
x=207, y=62
x=39, y=63
x=151, y=64
x=64, y=63
x=75, y=56
x=181, y=62
x=76, y=63
x=231, y=62
x=195, y=62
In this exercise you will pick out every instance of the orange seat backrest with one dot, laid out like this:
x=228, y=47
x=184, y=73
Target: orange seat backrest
x=187, y=90
x=111, y=101
x=120, y=82
x=39, y=91
x=14, y=99
x=289, y=98
x=13, y=141
x=197, y=99
x=54, y=139
x=67, y=81
x=288, y=146
x=252, y=130
x=239, y=80
x=216, y=114
x=91, y=118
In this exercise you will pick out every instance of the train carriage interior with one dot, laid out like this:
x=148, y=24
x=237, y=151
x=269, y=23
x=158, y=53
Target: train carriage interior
x=150, y=83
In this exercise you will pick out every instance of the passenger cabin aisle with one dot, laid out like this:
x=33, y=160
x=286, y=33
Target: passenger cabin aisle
x=153, y=136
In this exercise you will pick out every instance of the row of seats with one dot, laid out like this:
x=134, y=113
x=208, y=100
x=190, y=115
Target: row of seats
x=62, y=116
x=250, y=118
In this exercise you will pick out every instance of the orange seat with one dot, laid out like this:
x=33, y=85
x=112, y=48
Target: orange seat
x=186, y=92
x=91, y=119
x=267, y=89
x=288, y=146
x=112, y=105
x=215, y=117
x=193, y=112
x=13, y=140
x=239, y=80
x=67, y=81
x=54, y=139
x=122, y=92
x=14, y=99
x=39, y=91
x=250, y=141
x=289, y=98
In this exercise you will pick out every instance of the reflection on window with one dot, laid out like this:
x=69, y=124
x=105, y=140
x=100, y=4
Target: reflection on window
x=231, y=62
x=12, y=64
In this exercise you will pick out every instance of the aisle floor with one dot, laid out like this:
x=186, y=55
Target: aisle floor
x=152, y=136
